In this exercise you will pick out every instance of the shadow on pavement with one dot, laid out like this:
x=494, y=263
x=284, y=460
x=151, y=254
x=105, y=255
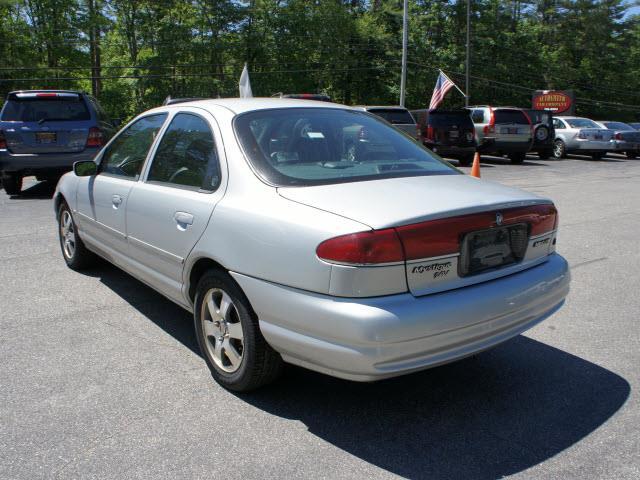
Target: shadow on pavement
x=36, y=191
x=488, y=416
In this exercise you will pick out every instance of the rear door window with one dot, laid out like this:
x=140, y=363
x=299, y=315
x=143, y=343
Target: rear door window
x=394, y=116
x=125, y=156
x=511, y=116
x=186, y=155
x=41, y=109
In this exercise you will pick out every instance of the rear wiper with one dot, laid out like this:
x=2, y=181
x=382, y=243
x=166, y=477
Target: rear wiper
x=337, y=164
x=42, y=120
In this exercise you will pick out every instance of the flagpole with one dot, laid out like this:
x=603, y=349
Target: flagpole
x=405, y=35
x=454, y=83
x=468, y=48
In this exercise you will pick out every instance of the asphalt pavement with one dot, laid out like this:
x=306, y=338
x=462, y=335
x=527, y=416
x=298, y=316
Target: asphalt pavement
x=100, y=376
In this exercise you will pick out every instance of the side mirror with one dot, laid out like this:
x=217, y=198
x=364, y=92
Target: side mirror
x=85, y=168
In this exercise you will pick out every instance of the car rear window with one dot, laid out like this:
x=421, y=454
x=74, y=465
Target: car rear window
x=393, y=115
x=581, y=123
x=39, y=109
x=617, y=126
x=510, y=116
x=319, y=146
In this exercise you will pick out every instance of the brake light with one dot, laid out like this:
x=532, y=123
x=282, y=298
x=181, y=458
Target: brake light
x=95, y=137
x=618, y=136
x=46, y=94
x=363, y=248
x=430, y=133
x=491, y=128
x=3, y=140
x=429, y=239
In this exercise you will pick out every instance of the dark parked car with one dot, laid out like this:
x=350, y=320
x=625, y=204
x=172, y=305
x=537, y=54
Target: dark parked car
x=43, y=132
x=543, y=132
x=635, y=125
x=449, y=133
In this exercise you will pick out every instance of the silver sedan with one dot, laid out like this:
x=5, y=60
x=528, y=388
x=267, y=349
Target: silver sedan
x=315, y=234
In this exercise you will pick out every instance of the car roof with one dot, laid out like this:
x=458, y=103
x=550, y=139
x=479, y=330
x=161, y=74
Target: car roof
x=241, y=105
x=570, y=117
x=79, y=92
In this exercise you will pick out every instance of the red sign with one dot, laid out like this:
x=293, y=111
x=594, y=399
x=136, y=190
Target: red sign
x=557, y=102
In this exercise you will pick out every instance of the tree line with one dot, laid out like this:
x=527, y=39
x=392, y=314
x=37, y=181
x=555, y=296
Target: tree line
x=131, y=54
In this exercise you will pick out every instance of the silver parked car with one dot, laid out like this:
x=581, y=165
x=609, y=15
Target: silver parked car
x=626, y=139
x=503, y=131
x=582, y=136
x=288, y=245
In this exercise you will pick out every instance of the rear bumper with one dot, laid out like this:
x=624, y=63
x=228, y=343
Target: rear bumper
x=624, y=146
x=34, y=163
x=374, y=338
x=452, y=150
x=505, y=146
x=587, y=146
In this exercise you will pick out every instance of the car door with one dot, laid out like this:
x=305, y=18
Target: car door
x=169, y=210
x=102, y=199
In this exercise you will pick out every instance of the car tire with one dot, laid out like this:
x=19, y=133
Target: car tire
x=231, y=343
x=465, y=161
x=517, y=158
x=631, y=155
x=544, y=154
x=559, y=149
x=74, y=252
x=12, y=184
x=597, y=156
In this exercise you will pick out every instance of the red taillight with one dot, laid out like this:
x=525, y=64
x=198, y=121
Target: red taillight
x=3, y=140
x=442, y=237
x=618, y=136
x=430, y=133
x=372, y=247
x=429, y=239
x=95, y=137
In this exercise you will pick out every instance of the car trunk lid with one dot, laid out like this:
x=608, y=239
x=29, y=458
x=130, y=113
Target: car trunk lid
x=454, y=230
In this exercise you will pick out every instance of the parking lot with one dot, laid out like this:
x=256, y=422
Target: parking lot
x=100, y=376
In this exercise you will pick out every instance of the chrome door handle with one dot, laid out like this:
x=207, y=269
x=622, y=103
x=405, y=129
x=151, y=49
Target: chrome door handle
x=183, y=219
x=116, y=200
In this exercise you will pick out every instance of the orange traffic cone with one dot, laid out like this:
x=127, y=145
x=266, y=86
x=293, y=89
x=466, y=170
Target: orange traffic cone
x=475, y=168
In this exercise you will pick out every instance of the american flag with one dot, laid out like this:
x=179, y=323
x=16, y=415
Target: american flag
x=443, y=85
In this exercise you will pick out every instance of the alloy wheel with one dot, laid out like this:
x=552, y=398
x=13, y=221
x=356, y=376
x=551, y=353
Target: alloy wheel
x=68, y=234
x=223, y=333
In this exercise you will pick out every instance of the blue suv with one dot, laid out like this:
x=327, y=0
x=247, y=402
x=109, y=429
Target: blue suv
x=43, y=132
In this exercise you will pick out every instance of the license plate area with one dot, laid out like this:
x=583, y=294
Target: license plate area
x=493, y=248
x=509, y=130
x=46, y=137
x=454, y=134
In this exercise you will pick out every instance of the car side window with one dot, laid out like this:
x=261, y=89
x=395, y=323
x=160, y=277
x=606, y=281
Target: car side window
x=186, y=155
x=557, y=124
x=125, y=156
x=477, y=116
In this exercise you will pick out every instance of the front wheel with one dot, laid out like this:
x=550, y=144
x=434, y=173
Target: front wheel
x=559, y=149
x=75, y=254
x=229, y=336
x=517, y=158
x=12, y=184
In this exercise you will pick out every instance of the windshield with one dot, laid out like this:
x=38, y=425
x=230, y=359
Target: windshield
x=316, y=146
x=617, y=126
x=44, y=109
x=581, y=123
x=393, y=115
